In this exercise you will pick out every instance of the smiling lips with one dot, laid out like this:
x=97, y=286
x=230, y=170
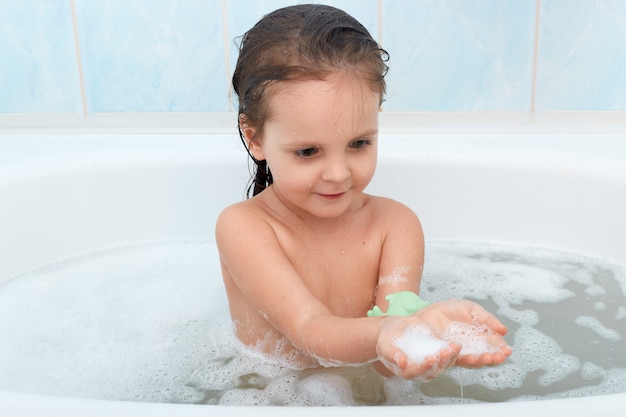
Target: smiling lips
x=332, y=196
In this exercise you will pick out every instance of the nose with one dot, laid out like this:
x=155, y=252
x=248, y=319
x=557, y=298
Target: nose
x=336, y=170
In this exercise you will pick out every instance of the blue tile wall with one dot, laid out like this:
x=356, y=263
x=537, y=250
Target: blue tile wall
x=459, y=55
x=38, y=67
x=582, y=55
x=152, y=55
x=446, y=55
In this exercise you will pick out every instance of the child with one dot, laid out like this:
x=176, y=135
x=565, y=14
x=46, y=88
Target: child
x=310, y=253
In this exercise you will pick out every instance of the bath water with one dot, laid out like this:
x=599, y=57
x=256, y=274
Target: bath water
x=150, y=323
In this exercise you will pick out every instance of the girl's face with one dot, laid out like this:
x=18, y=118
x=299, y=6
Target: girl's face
x=320, y=143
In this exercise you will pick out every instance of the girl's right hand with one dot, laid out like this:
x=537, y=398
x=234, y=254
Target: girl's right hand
x=400, y=363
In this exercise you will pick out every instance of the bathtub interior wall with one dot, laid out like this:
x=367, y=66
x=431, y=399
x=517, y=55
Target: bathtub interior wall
x=88, y=193
x=562, y=191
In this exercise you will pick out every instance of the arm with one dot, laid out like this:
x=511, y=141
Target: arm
x=402, y=257
x=257, y=265
x=401, y=269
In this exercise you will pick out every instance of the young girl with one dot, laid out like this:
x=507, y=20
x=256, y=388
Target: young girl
x=309, y=255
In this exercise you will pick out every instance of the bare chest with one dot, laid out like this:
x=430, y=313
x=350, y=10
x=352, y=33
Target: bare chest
x=341, y=270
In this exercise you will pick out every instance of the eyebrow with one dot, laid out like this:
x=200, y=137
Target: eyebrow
x=313, y=143
x=366, y=133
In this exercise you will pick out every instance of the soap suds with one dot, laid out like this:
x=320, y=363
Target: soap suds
x=471, y=337
x=418, y=343
x=397, y=276
x=145, y=324
x=594, y=324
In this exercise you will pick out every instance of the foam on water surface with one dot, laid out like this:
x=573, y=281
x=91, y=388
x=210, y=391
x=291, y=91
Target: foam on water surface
x=150, y=323
x=126, y=323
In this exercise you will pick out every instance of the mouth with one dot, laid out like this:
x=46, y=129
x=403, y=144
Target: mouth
x=332, y=196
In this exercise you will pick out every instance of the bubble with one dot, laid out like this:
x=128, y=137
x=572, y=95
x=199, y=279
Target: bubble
x=111, y=323
x=594, y=324
x=595, y=290
x=590, y=371
x=535, y=351
x=472, y=338
x=418, y=343
x=143, y=323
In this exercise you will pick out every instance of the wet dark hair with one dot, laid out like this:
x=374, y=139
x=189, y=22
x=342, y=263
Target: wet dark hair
x=308, y=41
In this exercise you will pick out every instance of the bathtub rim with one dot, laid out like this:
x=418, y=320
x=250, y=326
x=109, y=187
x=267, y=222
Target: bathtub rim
x=24, y=404
x=572, y=122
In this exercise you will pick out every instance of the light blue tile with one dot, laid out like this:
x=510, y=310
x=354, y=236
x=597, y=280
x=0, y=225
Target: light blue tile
x=459, y=55
x=242, y=19
x=38, y=66
x=153, y=55
x=582, y=55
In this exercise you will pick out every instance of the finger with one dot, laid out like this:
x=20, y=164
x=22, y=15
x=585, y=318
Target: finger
x=483, y=317
x=400, y=360
x=467, y=361
x=444, y=361
x=432, y=365
x=496, y=325
x=484, y=359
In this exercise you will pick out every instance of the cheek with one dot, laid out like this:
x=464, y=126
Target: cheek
x=368, y=169
x=292, y=177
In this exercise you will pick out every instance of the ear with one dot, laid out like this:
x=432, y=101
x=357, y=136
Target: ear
x=253, y=140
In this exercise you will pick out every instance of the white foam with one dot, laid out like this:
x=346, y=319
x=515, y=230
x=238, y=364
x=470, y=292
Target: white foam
x=534, y=351
x=397, y=276
x=505, y=376
x=523, y=317
x=467, y=269
x=151, y=324
x=121, y=324
x=595, y=290
x=471, y=337
x=591, y=371
x=418, y=343
x=594, y=324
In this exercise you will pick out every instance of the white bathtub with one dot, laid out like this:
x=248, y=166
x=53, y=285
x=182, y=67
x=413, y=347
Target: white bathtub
x=63, y=195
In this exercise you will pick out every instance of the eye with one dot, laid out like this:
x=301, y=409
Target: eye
x=306, y=153
x=360, y=144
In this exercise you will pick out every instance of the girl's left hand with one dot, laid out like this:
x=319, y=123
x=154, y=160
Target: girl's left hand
x=479, y=326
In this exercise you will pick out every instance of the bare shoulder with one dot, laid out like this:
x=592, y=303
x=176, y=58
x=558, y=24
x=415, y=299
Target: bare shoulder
x=234, y=211
x=237, y=217
x=392, y=211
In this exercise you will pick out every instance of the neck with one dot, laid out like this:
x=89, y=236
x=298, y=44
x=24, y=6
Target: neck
x=303, y=220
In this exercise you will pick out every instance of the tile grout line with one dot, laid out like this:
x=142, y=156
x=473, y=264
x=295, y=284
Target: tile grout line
x=533, y=93
x=380, y=30
x=79, y=59
x=380, y=22
x=225, y=32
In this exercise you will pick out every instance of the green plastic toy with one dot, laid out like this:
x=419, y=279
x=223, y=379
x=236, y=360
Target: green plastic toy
x=404, y=303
